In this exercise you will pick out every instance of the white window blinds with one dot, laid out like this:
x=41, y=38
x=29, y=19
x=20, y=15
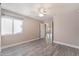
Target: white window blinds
x=11, y=25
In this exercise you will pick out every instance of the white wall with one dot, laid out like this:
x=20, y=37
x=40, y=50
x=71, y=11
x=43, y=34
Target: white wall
x=66, y=28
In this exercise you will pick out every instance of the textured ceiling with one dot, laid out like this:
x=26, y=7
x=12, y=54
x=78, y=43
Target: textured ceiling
x=32, y=9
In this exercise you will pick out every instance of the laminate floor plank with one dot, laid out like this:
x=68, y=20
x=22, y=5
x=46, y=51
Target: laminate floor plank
x=40, y=48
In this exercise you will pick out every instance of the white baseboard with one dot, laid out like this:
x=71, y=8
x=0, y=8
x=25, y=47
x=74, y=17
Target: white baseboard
x=18, y=43
x=74, y=46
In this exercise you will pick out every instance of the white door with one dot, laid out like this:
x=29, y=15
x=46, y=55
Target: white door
x=42, y=30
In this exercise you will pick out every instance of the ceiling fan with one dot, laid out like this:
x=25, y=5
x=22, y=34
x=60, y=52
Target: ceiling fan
x=43, y=9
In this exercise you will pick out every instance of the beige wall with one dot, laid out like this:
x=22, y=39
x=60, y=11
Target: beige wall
x=30, y=31
x=66, y=28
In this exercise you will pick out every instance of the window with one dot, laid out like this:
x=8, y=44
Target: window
x=18, y=26
x=6, y=25
x=11, y=25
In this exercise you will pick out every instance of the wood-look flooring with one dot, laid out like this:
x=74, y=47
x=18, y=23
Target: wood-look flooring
x=40, y=48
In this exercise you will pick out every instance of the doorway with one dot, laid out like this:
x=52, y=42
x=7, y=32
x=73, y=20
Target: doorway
x=46, y=31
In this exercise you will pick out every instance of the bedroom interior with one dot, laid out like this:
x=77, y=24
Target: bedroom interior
x=39, y=29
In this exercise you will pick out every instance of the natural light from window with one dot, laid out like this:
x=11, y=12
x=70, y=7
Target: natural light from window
x=18, y=26
x=11, y=26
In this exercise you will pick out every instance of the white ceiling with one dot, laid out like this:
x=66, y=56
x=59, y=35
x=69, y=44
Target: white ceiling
x=32, y=9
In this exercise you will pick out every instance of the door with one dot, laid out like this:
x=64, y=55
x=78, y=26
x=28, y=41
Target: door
x=46, y=31
x=42, y=31
x=49, y=32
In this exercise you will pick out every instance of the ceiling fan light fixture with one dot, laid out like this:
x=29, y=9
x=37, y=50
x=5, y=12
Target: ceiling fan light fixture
x=41, y=15
x=42, y=12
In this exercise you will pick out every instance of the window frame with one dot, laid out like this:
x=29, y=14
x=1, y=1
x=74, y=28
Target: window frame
x=13, y=18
